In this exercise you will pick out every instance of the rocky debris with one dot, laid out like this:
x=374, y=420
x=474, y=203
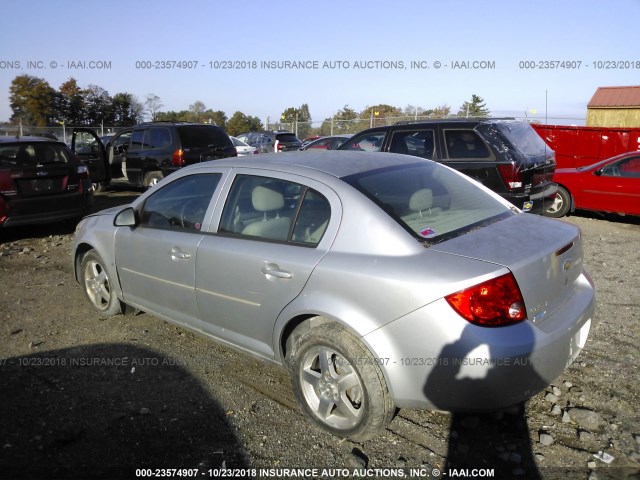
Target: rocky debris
x=587, y=419
x=546, y=439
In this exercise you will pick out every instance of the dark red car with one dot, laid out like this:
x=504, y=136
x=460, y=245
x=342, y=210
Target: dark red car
x=41, y=181
x=611, y=185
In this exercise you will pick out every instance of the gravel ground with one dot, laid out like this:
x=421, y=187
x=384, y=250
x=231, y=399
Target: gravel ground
x=83, y=396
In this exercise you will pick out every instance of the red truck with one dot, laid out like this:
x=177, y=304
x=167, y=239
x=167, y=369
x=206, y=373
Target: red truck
x=580, y=146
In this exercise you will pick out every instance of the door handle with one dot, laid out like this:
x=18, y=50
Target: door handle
x=177, y=254
x=274, y=271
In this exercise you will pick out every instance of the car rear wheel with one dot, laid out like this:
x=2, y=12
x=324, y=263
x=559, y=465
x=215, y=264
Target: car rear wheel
x=338, y=383
x=151, y=179
x=97, y=285
x=561, y=204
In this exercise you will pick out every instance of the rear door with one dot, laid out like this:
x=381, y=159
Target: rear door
x=466, y=151
x=262, y=254
x=88, y=147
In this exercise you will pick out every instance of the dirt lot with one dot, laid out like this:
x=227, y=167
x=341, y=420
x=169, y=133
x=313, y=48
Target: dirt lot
x=83, y=396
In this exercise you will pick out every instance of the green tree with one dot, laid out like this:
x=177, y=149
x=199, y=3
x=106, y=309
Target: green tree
x=300, y=118
x=240, y=123
x=381, y=114
x=475, y=108
x=218, y=118
x=32, y=100
x=127, y=110
x=344, y=120
x=69, y=103
x=99, y=106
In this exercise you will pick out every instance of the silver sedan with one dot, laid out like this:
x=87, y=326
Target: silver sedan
x=381, y=281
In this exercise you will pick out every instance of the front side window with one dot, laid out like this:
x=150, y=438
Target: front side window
x=368, y=142
x=465, y=144
x=275, y=210
x=180, y=205
x=430, y=201
x=627, y=167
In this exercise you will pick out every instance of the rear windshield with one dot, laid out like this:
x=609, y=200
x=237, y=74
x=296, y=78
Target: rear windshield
x=287, y=137
x=430, y=201
x=523, y=137
x=203, y=136
x=18, y=155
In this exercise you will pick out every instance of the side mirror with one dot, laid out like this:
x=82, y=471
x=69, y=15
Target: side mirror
x=126, y=218
x=598, y=172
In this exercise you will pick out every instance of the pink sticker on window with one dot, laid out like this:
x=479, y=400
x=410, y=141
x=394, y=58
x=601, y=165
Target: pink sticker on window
x=428, y=233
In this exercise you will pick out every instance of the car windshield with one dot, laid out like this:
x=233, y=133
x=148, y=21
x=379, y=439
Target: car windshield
x=32, y=154
x=432, y=202
x=524, y=137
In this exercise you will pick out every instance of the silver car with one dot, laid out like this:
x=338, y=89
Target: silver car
x=381, y=281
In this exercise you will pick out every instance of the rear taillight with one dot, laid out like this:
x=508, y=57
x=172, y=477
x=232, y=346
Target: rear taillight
x=494, y=303
x=178, y=158
x=4, y=210
x=83, y=171
x=511, y=175
x=6, y=182
x=281, y=147
x=256, y=152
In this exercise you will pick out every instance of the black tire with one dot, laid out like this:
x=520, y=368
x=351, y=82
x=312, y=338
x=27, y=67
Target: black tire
x=151, y=179
x=100, y=187
x=338, y=383
x=97, y=285
x=561, y=204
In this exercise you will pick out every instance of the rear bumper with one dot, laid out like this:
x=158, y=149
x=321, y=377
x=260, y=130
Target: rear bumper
x=534, y=202
x=434, y=359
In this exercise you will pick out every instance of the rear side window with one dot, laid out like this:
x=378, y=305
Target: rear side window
x=159, y=137
x=32, y=154
x=465, y=144
x=433, y=203
x=272, y=209
x=203, y=136
x=419, y=143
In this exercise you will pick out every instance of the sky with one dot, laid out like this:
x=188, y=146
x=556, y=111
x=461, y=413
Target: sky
x=414, y=52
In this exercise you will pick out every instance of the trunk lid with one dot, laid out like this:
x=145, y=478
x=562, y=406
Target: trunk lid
x=544, y=255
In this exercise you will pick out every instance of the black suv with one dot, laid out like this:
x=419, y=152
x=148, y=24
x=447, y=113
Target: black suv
x=144, y=154
x=504, y=154
x=272, y=141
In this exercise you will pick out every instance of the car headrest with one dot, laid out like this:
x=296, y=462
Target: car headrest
x=265, y=199
x=421, y=200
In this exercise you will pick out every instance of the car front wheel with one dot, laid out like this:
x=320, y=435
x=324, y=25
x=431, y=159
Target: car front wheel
x=338, y=383
x=97, y=285
x=561, y=204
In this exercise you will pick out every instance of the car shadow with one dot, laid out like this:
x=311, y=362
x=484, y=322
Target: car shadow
x=105, y=411
x=499, y=440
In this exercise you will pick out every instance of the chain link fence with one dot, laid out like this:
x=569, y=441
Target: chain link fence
x=301, y=129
